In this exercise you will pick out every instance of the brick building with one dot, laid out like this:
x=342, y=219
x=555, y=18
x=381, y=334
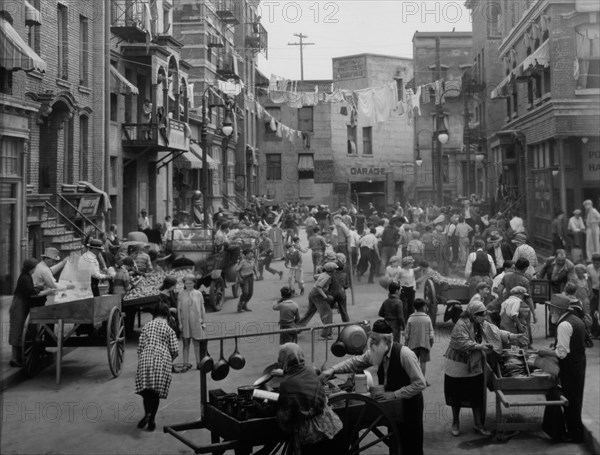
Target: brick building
x=341, y=161
x=551, y=92
x=442, y=111
x=51, y=87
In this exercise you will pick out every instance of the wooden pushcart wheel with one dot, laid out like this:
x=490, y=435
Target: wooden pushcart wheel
x=115, y=341
x=217, y=294
x=366, y=424
x=431, y=298
x=32, y=348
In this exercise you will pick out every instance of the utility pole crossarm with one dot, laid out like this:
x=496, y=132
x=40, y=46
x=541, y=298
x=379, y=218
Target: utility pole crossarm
x=301, y=44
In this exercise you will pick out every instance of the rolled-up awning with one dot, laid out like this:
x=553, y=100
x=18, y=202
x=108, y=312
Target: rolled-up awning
x=121, y=84
x=539, y=59
x=15, y=54
x=32, y=15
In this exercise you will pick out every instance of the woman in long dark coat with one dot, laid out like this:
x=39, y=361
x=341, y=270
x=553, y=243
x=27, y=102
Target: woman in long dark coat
x=19, y=309
x=157, y=348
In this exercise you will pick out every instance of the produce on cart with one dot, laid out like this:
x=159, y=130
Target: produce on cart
x=450, y=292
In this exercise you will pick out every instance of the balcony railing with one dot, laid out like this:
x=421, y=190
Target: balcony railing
x=256, y=37
x=229, y=11
x=128, y=19
x=227, y=66
x=154, y=135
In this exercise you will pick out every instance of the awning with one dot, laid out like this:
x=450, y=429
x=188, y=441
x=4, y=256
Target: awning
x=188, y=161
x=193, y=159
x=121, y=84
x=32, y=15
x=539, y=59
x=500, y=90
x=306, y=162
x=15, y=54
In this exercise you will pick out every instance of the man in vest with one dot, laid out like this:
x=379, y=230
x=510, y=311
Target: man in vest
x=570, y=351
x=400, y=374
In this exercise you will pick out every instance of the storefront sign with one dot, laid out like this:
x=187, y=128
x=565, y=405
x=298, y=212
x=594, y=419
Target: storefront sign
x=88, y=205
x=591, y=165
x=367, y=171
x=350, y=68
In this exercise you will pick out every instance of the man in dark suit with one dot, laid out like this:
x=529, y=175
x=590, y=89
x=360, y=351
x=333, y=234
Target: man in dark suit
x=499, y=251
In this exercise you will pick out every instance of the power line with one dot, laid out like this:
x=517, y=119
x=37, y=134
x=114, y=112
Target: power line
x=301, y=44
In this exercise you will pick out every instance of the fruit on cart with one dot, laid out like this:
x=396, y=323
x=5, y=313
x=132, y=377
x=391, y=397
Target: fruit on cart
x=148, y=285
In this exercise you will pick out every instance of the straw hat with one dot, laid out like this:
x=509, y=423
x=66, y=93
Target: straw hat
x=51, y=253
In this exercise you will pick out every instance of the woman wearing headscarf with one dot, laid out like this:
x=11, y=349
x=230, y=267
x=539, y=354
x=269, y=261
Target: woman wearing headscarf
x=472, y=337
x=19, y=309
x=303, y=410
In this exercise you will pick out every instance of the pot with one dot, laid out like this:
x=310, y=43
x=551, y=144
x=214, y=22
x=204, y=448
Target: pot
x=221, y=369
x=338, y=348
x=206, y=363
x=354, y=338
x=246, y=391
x=236, y=360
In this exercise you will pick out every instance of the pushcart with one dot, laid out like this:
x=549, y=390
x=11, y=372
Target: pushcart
x=368, y=425
x=521, y=392
x=99, y=317
x=445, y=294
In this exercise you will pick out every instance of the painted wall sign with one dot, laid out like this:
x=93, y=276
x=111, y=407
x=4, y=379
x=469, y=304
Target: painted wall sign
x=591, y=165
x=367, y=171
x=350, y=68
x=324, y=171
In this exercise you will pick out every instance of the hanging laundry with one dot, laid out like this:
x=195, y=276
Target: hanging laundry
x=383, y=103
x=279, y=130
x=401, y=109
x=273, y=125
x=452, y=89
x=335, y=97
x=294, y=98
x=306, y=140
x=415, y=99
x=366, y=106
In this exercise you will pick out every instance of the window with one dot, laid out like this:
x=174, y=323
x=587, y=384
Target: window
x=114, y=171
x=306, y=166
x=114, y=106
x=166, y=20
x=84, y=54
x=400, y=89
x=546, y=78
x=273, y=166
x=68, y=164
x=367, y=141
x=515, y=100
x=305, y=119
x=587, y=42
x=6, y=81
x=33, y=32
x=83, y=147
x=62, y=40
x=494, y=22
x=352, y=150
x=10, y=156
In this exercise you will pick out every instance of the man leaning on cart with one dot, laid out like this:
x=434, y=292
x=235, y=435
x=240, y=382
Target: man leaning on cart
x=400, y=373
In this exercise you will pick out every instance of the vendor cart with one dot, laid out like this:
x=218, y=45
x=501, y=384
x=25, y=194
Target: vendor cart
x=514, y=392
x=216, y=263
x=367, y=424
x=99, y=317
x=436, y=293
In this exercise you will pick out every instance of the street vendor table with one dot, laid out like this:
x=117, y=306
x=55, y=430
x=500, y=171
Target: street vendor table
x=367, y=424
x=520, y=392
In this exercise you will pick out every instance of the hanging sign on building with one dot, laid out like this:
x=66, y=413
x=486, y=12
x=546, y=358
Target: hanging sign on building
x=591, y=165
x=350, y=68
x=367, y=170
x=88, y=205
x=324, y=171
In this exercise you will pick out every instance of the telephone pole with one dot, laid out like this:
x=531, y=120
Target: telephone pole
x=301, y=44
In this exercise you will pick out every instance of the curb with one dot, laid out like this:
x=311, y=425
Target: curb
x=591, y=439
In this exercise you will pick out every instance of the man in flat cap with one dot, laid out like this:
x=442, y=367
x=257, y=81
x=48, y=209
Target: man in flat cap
x=400, y=374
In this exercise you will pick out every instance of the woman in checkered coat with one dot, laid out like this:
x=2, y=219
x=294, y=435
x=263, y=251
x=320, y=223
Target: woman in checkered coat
x=157, y=348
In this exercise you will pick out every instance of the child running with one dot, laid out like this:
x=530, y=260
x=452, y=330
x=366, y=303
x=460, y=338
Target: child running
x=419, y=335
x=246, y=271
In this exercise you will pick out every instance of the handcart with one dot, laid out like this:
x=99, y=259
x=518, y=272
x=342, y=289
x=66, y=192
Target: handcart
x=45, y=327
x=367, y=424
x=515, y=392
x=445, y=294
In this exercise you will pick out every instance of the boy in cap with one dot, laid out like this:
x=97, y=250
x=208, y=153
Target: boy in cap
x=392, y=310
x=293, y=261
x=515, y=314
x=289, y=315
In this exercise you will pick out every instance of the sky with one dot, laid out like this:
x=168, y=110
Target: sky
x=347, y=27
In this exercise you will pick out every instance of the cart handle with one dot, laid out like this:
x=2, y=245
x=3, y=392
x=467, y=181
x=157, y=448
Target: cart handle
x=211, y=448
x=508, y=404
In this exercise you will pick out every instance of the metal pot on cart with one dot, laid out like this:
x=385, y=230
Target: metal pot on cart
x=238, y=424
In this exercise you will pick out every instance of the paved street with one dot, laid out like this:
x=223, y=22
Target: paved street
x=92, y=413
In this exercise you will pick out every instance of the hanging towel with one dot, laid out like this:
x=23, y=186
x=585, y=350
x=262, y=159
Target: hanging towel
x=382, y=104
x=416, y=102
x=278, y=129
x=273, y=125
x=366, y=106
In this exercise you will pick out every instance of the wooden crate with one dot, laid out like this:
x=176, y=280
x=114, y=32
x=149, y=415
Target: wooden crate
x=93, y=310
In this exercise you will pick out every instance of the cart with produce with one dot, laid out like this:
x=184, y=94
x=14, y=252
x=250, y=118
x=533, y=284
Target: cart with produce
x=246, y=423
x=451, y=293
x=518, y=381
x=94, y=321
x=215, y=263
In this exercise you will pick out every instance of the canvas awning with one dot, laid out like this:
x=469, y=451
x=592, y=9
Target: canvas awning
x=121, y=84
x=32, y=15
x=540, y=58
x=189, y=160
x=15, y=54
x=306, y=163
x=500, y=90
